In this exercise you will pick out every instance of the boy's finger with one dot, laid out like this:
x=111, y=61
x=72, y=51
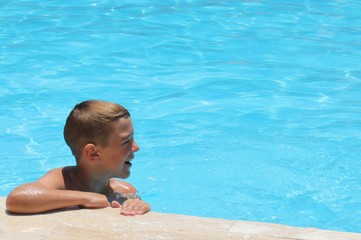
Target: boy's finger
x=115, y=204
x=127, y=213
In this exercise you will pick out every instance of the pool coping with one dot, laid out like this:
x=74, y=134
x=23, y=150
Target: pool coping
x=107, y=223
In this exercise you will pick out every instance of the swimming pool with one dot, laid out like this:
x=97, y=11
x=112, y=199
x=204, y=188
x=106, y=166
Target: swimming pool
x=243, y=110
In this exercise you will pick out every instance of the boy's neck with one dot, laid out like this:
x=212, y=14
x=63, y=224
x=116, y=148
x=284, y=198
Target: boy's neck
x=89, y=181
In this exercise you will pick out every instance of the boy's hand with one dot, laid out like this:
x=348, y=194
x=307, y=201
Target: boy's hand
x=95, y=200
x=132, y=207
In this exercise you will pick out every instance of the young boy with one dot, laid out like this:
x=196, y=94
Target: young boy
x=101, y=137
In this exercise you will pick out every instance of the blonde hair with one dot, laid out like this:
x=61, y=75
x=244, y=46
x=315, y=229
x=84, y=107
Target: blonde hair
x=91, y=122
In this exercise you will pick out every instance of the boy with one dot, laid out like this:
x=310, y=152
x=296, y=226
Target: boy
x=100, y=136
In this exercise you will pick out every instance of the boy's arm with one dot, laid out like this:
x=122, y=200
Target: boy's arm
x=131, y=206
x=120, y=186
x=47, y=194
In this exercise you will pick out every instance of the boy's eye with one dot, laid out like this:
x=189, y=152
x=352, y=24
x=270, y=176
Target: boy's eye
x=127, y=141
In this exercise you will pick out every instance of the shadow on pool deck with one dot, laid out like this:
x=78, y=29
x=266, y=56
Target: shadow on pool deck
x=109, y=224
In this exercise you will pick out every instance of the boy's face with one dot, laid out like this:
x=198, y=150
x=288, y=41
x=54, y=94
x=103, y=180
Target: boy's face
x=116, y=156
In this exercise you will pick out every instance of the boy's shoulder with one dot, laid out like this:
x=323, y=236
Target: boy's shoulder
x=120, y=186
x=53, y=178
x=56, y=171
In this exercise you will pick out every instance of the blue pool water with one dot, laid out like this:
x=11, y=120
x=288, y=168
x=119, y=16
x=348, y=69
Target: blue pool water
x=243, y=110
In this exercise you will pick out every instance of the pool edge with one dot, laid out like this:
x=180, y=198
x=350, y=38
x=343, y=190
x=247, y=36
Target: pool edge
x=109, y=224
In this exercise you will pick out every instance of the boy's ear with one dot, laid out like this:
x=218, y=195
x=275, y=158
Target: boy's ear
x=91, y=152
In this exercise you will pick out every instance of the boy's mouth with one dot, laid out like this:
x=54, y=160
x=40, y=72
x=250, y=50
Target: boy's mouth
x=128, y=163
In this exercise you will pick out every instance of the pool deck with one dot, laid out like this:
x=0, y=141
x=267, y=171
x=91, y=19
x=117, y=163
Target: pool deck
x=109, y=224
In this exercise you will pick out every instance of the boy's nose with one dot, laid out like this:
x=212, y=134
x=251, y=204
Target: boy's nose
x=135, y=147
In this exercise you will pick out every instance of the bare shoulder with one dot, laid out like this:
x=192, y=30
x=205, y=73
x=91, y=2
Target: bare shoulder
x=53, y=179
x=120, y=186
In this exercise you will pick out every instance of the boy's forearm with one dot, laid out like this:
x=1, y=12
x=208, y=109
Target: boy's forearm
x=31, y=198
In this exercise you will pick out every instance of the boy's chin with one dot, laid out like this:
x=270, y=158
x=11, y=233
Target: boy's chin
x=122, y=175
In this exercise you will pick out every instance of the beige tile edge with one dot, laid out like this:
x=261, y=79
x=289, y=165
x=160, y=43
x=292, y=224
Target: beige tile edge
x=109, y=224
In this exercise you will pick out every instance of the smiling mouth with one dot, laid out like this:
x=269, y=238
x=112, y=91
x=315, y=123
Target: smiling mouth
x=128, y=163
